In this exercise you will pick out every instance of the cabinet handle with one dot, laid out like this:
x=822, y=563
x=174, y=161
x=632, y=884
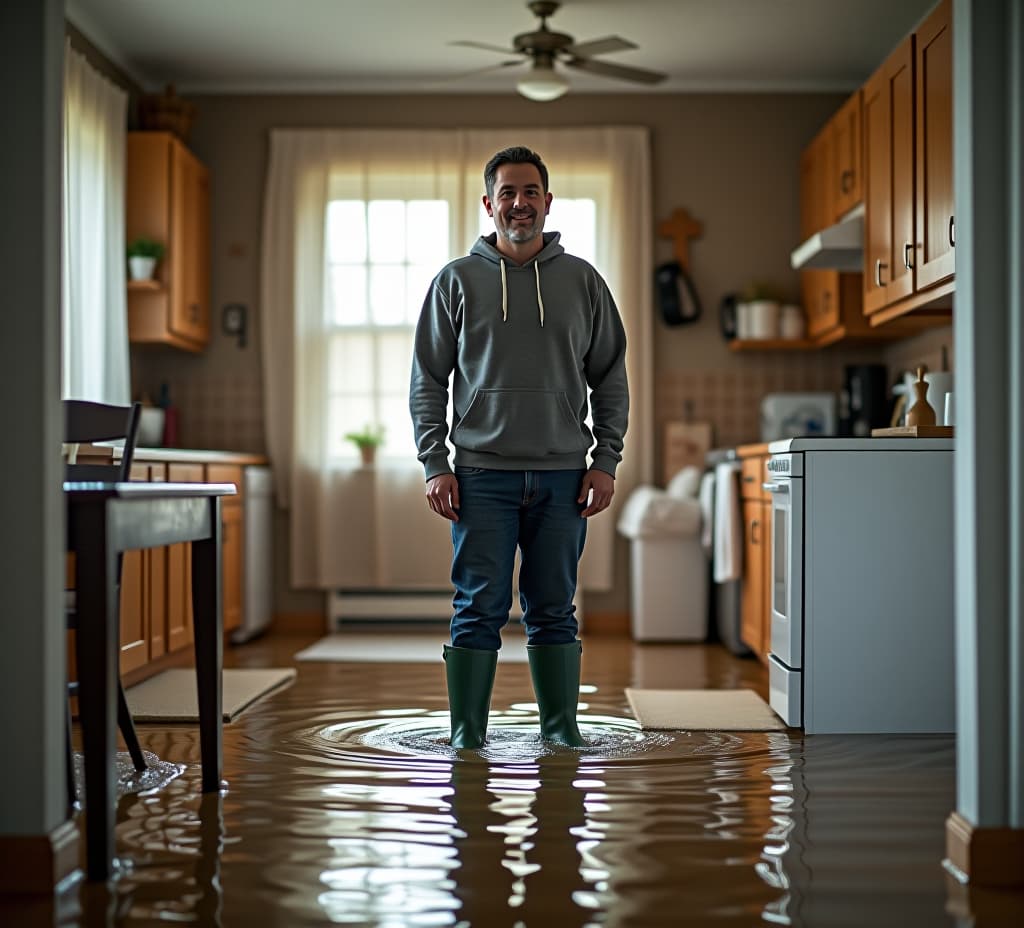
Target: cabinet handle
x=193, y=312
x=907, y=248
x=952, y=233
x=846, y=181
x=754, y=526
x=879, y=264
x=826, y=298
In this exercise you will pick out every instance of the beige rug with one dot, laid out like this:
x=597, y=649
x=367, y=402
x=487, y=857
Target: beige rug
x=171, y=696
x=399, y=647
x=702, y=710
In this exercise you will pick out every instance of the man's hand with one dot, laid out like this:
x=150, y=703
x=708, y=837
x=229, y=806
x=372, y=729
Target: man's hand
x=600, y=488
x=443, y=496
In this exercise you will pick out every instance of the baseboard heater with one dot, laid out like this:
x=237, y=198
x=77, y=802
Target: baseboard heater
x=388, y=606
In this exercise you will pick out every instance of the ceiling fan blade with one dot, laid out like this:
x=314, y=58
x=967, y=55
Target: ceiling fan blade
x=610, y=43
x=466, y=43
x=607, y=69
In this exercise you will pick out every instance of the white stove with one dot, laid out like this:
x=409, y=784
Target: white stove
x=862, y=584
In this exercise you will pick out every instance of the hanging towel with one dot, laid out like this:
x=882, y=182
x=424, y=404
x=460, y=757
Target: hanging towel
x=728, y=555
x=706, y=497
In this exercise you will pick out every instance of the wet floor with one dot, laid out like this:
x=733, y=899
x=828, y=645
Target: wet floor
x=345, y=805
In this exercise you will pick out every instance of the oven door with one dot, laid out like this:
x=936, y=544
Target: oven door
x=787, y=580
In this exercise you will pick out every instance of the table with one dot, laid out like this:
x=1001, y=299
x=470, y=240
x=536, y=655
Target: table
x=104, y=519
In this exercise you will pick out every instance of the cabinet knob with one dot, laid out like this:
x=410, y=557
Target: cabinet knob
x=846, y=181
x=754, y=526
x=907, y=248
x=193, y=312
x=879, y=264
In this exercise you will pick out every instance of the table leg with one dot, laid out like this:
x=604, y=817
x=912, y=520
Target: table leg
x=209, y=647
x=96, y=651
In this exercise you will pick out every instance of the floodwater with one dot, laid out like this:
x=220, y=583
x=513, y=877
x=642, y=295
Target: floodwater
x=345, y=805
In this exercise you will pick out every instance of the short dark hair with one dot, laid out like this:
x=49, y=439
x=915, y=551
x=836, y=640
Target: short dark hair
x=515, y=155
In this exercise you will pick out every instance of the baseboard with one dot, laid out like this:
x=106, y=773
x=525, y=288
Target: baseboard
x=987, y=856
x=35, y=864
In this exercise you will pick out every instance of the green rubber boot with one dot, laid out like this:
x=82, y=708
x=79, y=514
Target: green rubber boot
x=470, y=676
x=555, y=669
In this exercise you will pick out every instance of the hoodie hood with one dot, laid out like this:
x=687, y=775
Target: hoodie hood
x=486, y=247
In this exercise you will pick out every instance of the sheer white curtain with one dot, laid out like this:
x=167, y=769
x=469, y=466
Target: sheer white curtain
x=370, y=527
x=93, y=299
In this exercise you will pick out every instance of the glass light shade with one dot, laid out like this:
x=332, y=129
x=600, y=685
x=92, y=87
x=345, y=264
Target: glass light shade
x=542, y=83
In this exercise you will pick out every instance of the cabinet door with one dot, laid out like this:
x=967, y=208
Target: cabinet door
x=156, y=584
x=752, y=595
x=901, y=83
x=934, y=196
x=847, y=177
x=877, y=190
x=134, y=614
x=188, y=241
x=179, y=571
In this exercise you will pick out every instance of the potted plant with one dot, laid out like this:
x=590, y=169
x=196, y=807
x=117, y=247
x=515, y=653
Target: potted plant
x=143, y=254
x=367, y=441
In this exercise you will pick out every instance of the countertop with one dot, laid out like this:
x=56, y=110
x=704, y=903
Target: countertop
x=176, y=455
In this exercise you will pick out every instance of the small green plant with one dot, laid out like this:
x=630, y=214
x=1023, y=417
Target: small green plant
x=372, y=436
x=762, y=290
x=145, y=248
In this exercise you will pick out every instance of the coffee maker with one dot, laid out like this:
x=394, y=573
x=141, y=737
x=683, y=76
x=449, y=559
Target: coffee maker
x=864, y=400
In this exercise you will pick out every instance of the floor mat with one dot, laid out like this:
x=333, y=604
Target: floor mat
x=399, y=648
x=702, y=710
x=171, y=696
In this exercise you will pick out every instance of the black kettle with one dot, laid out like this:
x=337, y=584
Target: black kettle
x=727, y=316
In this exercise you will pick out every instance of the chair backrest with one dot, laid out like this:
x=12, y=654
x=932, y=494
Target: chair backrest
x=89, y=422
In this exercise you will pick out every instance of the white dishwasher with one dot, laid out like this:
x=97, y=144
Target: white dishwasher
x=258, y=555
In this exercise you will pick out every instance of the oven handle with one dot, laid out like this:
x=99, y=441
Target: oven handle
x=775, y=487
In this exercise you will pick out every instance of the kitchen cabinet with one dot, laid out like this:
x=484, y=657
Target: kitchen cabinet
x=755, y=587
x=167, y=199
x=846, y=176
x=908, y=140
x=156, y=603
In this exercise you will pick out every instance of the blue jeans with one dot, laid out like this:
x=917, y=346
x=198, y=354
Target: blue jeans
x=499, y=510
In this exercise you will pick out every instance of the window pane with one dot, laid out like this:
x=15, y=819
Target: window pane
x=346, y=231
x=346, y=414
x=387, y=294
x=427, y=233
x=351, y=363
x=348, y=294
x=386, y=223
x=417, y=283
x=394, y=413
x=394, y=361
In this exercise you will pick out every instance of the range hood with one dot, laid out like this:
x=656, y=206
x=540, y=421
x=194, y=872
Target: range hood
x=837, y=248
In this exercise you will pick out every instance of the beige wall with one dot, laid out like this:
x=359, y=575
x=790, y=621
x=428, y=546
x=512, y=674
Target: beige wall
x=730, y=160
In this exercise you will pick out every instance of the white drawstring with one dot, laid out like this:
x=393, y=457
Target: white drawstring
x=504, y=292
x=540, y=299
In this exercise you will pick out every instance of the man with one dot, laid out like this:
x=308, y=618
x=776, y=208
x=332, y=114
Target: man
x=525, y=329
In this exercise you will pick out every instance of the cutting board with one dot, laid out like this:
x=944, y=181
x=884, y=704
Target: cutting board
x=685, y=443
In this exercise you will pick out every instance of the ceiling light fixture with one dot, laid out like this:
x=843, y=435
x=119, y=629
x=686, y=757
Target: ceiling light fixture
x=543, y=83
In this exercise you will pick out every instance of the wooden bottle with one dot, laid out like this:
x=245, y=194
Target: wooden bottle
x=921, y=413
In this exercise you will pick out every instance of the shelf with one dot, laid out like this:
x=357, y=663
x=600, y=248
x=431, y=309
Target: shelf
x=772, y=344
x=145, y=285
x=934, y=306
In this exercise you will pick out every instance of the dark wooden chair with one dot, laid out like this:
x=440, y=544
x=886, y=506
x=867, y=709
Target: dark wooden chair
x=86, y=422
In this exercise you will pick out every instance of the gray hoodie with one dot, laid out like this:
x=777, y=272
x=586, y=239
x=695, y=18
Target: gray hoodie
x=525, y=343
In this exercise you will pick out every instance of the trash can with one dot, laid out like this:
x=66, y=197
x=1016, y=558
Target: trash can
x=668, y=566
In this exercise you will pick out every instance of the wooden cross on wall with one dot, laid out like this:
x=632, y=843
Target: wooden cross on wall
x=681, y=228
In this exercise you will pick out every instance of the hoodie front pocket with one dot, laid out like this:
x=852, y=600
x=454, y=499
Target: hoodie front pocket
x=520, y=423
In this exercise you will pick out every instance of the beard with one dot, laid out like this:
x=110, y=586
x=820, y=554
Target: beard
x=519, y=232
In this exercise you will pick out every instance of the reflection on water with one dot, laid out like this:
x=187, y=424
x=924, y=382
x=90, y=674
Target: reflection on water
x=346, y=805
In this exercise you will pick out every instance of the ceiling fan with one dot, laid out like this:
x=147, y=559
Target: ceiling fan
x=543, y=48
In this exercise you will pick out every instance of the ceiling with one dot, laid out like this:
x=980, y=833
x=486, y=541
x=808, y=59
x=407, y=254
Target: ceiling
x=402, y=46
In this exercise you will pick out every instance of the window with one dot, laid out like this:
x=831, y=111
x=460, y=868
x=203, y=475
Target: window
x=381, y=256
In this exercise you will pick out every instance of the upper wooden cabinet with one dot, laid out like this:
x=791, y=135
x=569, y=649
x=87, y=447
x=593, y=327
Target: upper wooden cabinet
x=934, y=214
x=167, y=198
x=847, y=176
x=908, y=177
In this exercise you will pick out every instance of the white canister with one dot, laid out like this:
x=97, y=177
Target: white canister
x=743, y=320
x=764, y=319
x=791, y=322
